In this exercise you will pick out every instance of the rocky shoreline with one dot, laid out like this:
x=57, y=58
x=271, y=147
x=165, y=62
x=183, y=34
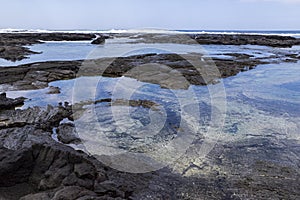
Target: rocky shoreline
x=38, y=158
x=12, y=45
x=195, y=69
x=263, y=40
x=216, y=39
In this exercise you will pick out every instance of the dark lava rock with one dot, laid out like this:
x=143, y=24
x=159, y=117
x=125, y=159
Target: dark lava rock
x=218, y=39
x=12, y=45
x=66, y=133
x=74, y=192
x=38, y=75
x=243, y=39
x=43, y=118
x=52, y=170
x=15, y=53
x=15, y=166
x=99, y=40
x=203, y=71
x=8, y=103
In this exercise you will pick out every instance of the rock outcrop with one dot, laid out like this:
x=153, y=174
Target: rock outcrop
x=99, y=40
x=38, y=75
x=8, y=103
x=244, y=39
x=12, y=45
x=218, y=39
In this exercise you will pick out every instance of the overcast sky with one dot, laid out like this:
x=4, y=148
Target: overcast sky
x=165, y=14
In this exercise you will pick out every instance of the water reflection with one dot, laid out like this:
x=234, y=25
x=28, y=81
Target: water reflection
x=264, y=96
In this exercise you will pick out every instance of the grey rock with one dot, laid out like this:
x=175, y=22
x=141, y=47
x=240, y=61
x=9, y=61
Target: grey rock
x=66, y=133
x=72, y=193
x=85, y=170
x=15, y=166
x=99, y=40
x=179, y=74
x=8, y=103
x=12, y=45
x=244, y=39
x=37, y=196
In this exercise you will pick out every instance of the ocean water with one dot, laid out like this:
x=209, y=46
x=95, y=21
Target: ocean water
x=149, y=30
x=295, y=33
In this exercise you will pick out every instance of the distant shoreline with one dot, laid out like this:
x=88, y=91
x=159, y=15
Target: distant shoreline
x=14, y=46
x=295, y=33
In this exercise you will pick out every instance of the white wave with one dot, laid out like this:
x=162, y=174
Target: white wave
x=241, y=33
x=144, y=31
x=162, y=31
x=10, y=30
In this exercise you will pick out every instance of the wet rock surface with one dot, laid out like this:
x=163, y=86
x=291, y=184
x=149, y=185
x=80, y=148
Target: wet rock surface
x=264, y=40
x=99, y=40
x=168, y=70
x=8, y=103
x=38, y=75
x=66, y=133
x=220, y=39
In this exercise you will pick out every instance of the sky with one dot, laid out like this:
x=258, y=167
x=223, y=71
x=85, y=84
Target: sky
x=159, y=14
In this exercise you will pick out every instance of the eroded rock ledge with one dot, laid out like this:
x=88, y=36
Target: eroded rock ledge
x=8, y=103
x=167, y=70
x=12, y=45
x=219, y=39
x=243, y=39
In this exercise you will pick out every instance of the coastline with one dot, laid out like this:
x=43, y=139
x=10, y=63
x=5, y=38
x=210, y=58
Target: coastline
x=41, y=168
x=13, y=45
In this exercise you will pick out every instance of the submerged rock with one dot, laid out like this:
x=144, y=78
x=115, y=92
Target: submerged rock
x=34, y=166
x=53, y=90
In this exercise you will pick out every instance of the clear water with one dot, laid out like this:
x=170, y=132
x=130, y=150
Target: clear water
x=269, y=82
x=54, y=51
x=270, y=91
x=259, y=102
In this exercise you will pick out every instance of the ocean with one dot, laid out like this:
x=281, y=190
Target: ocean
x=295, y=33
